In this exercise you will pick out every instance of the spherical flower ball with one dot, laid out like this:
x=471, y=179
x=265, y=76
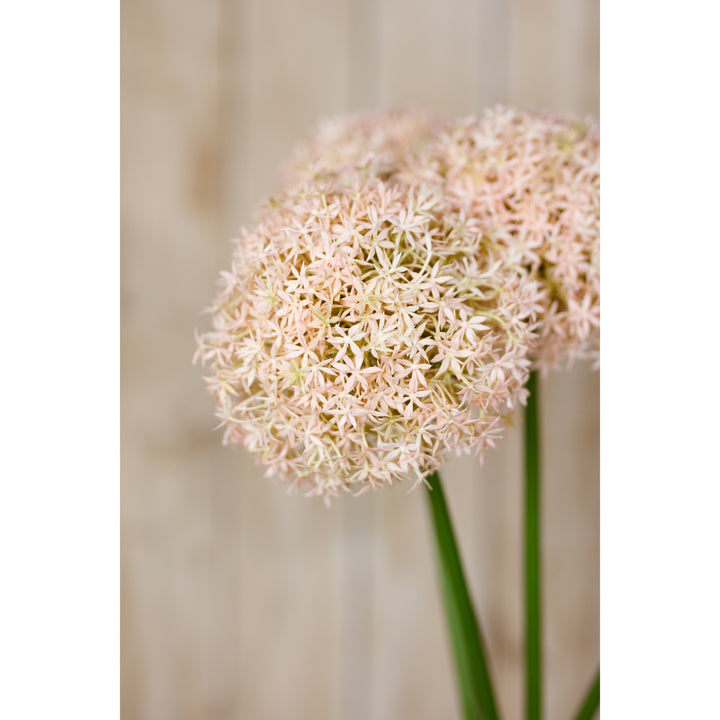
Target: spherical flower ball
x=364, y=332
x=532, y=181
x=370, y=144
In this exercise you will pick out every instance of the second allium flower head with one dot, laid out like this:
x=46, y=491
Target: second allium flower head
x=380, y=315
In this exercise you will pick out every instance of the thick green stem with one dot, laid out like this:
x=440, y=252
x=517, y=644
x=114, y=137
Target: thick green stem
x=533, y=625
x=591, y=703
x=470, y=657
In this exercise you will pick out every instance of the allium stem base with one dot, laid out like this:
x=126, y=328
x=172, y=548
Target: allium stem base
x=590, y=704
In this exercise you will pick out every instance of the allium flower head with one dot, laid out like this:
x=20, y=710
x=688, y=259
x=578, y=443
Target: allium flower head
x=532, y=182
x=373, y=145
x=365, y=331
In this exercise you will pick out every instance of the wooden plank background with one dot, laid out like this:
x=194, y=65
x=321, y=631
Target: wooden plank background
x=239, y=601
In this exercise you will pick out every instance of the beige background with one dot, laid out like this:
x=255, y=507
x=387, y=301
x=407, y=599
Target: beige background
x=239, y=601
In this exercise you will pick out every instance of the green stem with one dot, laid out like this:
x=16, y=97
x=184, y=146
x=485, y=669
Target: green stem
x=533, y=629
x=591, y=703
x=470, y=656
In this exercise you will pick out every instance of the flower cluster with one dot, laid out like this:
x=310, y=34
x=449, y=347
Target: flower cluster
x=364, y=332
x=532, y=181
x=381, y=145
x=387, y=308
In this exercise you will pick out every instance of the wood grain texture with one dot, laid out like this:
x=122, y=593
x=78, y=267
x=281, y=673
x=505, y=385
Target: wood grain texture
x=239, y=601
x=174, y=573
x=554, y=58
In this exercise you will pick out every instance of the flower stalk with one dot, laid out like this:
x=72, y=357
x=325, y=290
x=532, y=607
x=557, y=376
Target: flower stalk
x=591, y=702
x=533, y=624
x=473, y=674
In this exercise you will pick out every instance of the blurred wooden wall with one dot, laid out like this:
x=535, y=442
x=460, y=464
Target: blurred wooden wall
x=239, y=601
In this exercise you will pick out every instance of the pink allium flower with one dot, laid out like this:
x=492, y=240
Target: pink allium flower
x=373, y=145
x=365, y=331
x=532, y=182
